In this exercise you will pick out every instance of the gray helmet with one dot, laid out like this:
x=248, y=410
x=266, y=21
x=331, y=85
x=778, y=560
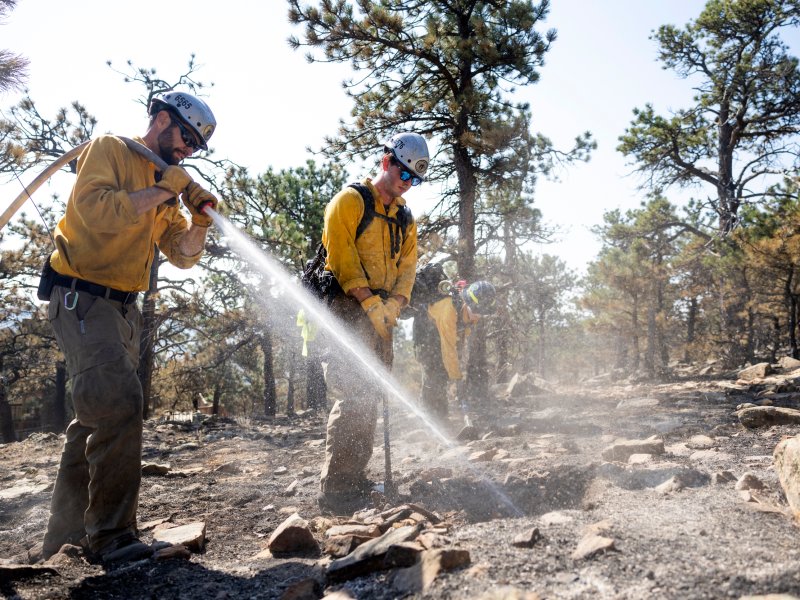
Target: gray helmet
x=411, y=150
x=480, y=297
x=192, y=110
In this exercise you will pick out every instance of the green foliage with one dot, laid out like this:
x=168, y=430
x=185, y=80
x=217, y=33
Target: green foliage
x=742, y=128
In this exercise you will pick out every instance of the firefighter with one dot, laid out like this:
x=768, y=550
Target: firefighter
x=374, y=269
x=118, y=209
x=439, y=332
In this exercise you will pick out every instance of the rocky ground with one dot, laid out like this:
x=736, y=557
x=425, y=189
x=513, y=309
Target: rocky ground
x=611, y=490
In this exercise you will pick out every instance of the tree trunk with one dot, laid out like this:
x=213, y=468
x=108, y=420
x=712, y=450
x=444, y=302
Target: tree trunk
x=270, y=393
x=477, y=376
x=217, y=400
x=148, y=335
x=691, y=325
x=7, y=434
x=290, y=383
x=316, y=388
x=59, y=413
x=467, y=186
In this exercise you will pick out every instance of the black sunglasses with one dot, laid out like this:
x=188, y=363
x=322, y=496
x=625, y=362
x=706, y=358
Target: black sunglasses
x=405, y=174
x=186, y=136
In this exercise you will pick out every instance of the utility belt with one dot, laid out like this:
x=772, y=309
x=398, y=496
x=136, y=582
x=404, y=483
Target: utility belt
x=51, y=277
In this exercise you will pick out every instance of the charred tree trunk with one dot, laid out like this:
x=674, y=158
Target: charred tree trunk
x=467, y=186
x=270, y=393
x=7, y=433
x=59, y=418
x=290, y=383
x=791, y=309
x=691, y=326
x=316, y=388
x=477, y=377
x=148, y=335
x=217, y=400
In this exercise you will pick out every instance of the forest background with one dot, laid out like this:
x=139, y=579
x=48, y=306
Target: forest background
x=676, y=243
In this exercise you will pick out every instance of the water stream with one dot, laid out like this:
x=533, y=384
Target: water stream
x=316, y=312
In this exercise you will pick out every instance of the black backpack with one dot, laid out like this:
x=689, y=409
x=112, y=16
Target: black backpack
x=321, y=283
x=426, y=286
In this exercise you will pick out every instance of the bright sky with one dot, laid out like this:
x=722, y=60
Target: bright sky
x=271, y=104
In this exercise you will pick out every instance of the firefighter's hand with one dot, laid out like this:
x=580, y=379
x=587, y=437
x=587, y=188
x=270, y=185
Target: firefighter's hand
x=393, y=308
x=376, y=311
x=197, y=200
x=174, y=179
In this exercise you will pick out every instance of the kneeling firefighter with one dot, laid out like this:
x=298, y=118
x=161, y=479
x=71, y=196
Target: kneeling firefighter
x=441, y=331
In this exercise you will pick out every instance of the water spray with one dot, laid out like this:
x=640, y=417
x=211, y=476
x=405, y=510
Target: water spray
x=263, y=262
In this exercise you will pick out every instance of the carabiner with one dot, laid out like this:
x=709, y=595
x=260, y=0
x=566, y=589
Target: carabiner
x=74, y=302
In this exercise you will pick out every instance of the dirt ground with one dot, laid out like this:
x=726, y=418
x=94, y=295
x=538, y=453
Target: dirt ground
x=538, y=465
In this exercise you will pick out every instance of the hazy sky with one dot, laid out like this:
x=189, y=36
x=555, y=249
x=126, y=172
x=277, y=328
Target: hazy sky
x=271, y=104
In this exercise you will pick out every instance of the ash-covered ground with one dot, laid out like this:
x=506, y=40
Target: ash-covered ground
x=609, y=490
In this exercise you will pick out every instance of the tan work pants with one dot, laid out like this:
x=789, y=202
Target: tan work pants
x=97, y=487
x=353, y=418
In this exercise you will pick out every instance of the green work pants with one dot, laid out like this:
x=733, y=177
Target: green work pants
x=353, y=419
x=97, y=487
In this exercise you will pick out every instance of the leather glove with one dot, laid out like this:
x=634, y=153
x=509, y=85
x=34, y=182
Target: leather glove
x=174, y=179
x=196, y=198
x=376, y=311
x=393, y=309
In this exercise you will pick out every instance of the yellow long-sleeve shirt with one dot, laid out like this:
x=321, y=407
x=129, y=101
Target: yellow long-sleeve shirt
x=100, y=238
x=367, y=261
x=443, y=314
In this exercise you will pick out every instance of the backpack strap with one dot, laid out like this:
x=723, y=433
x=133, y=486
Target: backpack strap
x=397, y=225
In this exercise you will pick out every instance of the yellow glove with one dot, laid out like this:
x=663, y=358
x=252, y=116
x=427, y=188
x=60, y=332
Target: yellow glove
x=196, y=200
x=376, y=311
x=393, y=309
x=174, y=179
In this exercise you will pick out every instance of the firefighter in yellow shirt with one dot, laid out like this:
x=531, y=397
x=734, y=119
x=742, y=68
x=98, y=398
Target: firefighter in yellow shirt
x=440, y=335
x=371, y=244
x=119, y=208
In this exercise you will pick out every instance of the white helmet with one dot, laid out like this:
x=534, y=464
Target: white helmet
x=192, y=110
x=411, y=150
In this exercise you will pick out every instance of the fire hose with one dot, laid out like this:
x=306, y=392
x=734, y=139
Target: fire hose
x=65, y=158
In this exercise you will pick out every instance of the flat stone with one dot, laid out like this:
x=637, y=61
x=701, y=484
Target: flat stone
x=368, y=531
x=640, y=459
x=192, y=535
x=591, y=545
x=369, y=556
x=766, y=416
x=24, y=488
x=555, y=518
x=621, y=450
x=177, y=551
x=700, y=442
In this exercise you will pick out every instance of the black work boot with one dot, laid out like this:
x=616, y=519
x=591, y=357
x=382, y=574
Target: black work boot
x=124, y=549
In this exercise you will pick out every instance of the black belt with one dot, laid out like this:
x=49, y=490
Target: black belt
x=95, y=289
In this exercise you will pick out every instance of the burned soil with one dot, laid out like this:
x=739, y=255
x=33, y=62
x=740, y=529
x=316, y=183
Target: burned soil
x=610, y=490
